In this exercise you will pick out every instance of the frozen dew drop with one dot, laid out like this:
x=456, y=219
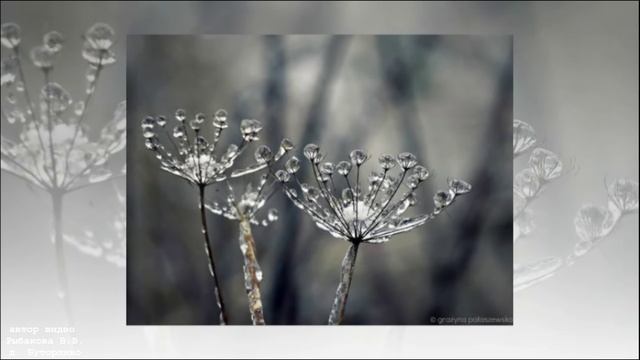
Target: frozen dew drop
x=311, y=151
x=292, y=165
x=100, y=36
x=326, y=168
x=195, y=125
x=387, y=161
x=343, y=168
x=459, y=186
x=97, y=57
x=147, y=123
x=523, y=137
x=179, y=131
x=53, y=40
x=201, y=142
x=272, y=215
x=623, y=195
x=200, y=118
x=347, y=196
x=42, y=57
x=263, y=154
x=413, y=181
x=423, y=174
x=283, y=176
x=442, y=199
x=312, y=193
x=593, y=222
x=161, y=120
x=545, y=164
x=181, y=115
x=358, y=157
x=152, y=143
x=407, y=160
x=10, y=35
x=57, y=97
x=220, y=119
x=286, y=144
x=250, y=129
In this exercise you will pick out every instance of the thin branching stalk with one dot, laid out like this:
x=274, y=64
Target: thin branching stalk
x=252, y=272
x=63, y=284
x=212, y=265
x=342, y=293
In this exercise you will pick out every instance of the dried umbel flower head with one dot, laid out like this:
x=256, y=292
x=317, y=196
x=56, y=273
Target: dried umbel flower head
x=357, y=213
x=254, y=198
x=192, y=155
x=54, y=150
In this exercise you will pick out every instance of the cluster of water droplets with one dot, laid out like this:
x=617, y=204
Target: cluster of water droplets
x=53, y=149
x=254, y=197
x=192, y=151
x=371, y=213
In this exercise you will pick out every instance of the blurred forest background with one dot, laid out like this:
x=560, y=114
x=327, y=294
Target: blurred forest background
x=447, y=99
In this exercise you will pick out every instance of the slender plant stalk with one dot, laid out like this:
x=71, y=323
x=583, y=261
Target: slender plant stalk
x=252, y=273
x=346, y=274
x=63, y=283
x=212, y=265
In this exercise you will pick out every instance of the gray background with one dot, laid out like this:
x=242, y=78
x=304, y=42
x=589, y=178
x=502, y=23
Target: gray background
x=576, y=81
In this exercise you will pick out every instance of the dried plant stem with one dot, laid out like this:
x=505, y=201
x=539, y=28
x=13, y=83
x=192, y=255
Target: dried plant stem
x=63, y=284
x=212, y=266
x=252, y=273
x=346, y=274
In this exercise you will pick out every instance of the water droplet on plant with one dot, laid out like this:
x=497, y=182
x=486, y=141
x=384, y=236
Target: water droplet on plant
x=593, y=222
x=10, y=35
x=343, y=168
x=545, y=164
x=97, y=57
x=181, y=115
x=250, y=129
x=526, y=183
x=53, y=40
x=178, y=131
x=413, y=181
x=358, y=157
x=161, y=120
x=263, y=154
x=220, y=119
x=442, y=199
x=273, y=215
x=292, y=165
x=623, y=195
x=55, y=97
x=152, y=143
x=326, y=169
x=459, y=186
x=523, y=137
x=311, y=151
x=286, y=144
x=423, y=174
x=387, y=162
x=407, y=160
x=283, y=176
x=100, y=36
x=42, y=57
